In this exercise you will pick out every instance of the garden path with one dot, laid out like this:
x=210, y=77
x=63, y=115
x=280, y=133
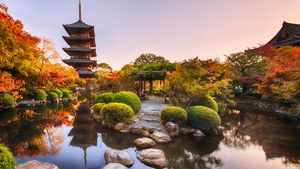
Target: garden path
x=149, y=114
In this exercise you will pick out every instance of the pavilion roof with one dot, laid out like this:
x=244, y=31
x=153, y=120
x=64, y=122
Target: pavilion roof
x=289, y=34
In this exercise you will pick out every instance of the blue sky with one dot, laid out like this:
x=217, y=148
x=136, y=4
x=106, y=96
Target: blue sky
x=175, y=29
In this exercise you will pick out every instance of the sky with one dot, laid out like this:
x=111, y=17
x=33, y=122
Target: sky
x=175, y=29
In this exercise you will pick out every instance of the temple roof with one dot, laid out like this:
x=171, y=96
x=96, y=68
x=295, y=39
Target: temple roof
x=75, y=62
x=79, y=27
x=85, y=73
x=73, y=51
x=76, y=39
x=289, y=34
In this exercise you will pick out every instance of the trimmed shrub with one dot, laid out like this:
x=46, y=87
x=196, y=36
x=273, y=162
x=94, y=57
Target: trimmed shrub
x=52, y=96
x=58, y=92
x=130, y=99
x=66, y=93
x=206, y=101
x=7, y=160
x=113, y=113
x=97, y=108
x=105, y=97
x=174, y=114
x=203, y=118
x=8, y=100
x=40, y=94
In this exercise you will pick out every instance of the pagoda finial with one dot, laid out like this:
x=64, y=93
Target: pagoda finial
x=80, y=10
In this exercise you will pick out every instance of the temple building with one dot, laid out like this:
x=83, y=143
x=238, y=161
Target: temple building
x=288, y=35
x=82, y=47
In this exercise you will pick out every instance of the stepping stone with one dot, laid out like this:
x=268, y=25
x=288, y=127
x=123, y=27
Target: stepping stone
x=34, y=164
x=160, y=137
x=143, y=143
x=118, y=156
x=114, y=166
x=153, y=158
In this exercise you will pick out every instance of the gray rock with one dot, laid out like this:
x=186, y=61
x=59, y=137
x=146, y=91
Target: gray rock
x=153, y=158
x=160, y=137
x=114, y=166
x=122, y=127
x=144, y=142
x=220, y=129
x=118, y=156
x=34, y=164
x=198, y=133
x=187, y=130
x=136, y=129
x=146, y=133
x=172, y=129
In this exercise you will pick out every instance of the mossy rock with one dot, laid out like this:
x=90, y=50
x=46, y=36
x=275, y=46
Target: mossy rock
x=203, y=118
x=114, y=113
x=130, y=99
x=174, y=114
x=7, y=160
x=105, y=97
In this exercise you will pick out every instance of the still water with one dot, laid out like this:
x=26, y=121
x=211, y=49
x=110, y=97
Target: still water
x=66, y=136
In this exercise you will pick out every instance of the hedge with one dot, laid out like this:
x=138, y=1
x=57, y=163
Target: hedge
x=40, y=94
x=52, y=96
x=130, y=99
x=206, y=101
x=114, y=113
x=66, y=93
x=8, y=100
x=58, y=92
x=174, y=114
x=105, y=97
x=203, y=118
x=7, y=160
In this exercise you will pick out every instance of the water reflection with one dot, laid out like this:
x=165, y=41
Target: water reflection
x=67, y=136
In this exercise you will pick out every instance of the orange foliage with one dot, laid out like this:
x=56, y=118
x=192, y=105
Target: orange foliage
x=9, y=84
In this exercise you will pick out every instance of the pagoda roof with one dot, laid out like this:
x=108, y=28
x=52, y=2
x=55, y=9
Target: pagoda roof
x=85, y=73
x=71, y=51
x=288, y=35
x=79, y=27
x=74, y=62
x=76, y=39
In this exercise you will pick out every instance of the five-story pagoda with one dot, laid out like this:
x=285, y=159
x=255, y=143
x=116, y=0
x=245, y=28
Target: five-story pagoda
x=82, y=47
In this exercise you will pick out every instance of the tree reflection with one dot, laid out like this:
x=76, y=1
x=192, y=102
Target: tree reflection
x=28, y=133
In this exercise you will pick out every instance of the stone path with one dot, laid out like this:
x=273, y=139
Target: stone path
x=149, y=114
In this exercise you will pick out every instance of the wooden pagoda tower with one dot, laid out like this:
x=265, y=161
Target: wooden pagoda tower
x=82, y=47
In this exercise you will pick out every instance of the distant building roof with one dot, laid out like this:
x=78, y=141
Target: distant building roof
x=288, y=35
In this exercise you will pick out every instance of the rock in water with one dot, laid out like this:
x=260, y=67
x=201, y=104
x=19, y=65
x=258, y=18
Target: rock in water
x=34, y=164
x=122, y=127
x=160, y=137
x=114, y=166
x=172, y=129
x=153, y=157
x=118, y=156
x=198, y=133
x=144, y=142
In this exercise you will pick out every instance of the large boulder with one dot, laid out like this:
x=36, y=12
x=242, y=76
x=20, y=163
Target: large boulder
x=136, y=129
x=172, y=129
x=34, y=164
x=153, y=157
x=160, y=137
x=118, y=156
x=187, y=130
x=114, y=166
x=122, y=127
x=198, y=133
x=144, y=142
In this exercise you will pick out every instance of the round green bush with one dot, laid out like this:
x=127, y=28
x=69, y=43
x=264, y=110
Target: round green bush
x=97, y=108
x=206, y=101
x=113, y=113
x=203, y=118
x=40, y=94
x=66, y=93
x=52, y=96
x=7, y=160
x=58, y=92
x=105, y=97
x=174, y=114
x=130, y=99
x=8, y=100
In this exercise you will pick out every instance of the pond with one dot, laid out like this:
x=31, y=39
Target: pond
x=66, y=136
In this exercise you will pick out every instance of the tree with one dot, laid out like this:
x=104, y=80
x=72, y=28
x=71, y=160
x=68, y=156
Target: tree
x=282, y=82
x=152, y=62
x=247, y=65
